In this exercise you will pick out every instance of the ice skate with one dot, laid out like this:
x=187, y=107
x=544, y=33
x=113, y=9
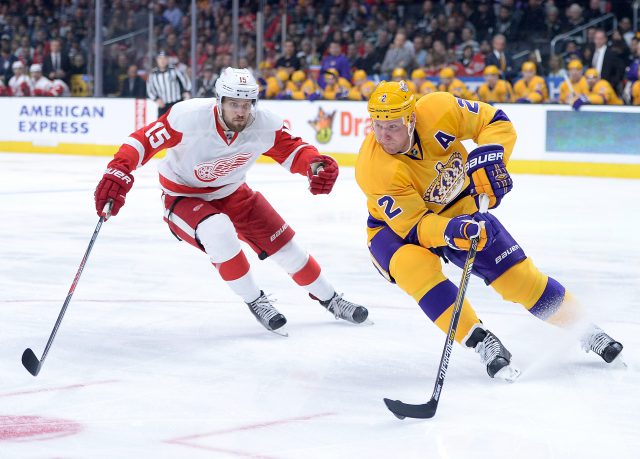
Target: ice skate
x=493, y=354
x=596, y=340
x=343, y=309
x=266, y=314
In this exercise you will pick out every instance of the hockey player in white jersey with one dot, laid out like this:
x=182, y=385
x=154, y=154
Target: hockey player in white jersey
x=211, y=144
x=20, y=83
x=41, y=84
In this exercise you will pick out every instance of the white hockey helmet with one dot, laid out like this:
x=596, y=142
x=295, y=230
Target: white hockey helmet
x=237, y=83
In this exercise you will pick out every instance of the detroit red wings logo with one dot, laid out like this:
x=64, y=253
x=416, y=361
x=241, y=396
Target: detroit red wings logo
x=208, y=172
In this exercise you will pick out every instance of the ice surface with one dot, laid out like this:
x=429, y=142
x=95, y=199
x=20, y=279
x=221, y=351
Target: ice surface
x=157, y=358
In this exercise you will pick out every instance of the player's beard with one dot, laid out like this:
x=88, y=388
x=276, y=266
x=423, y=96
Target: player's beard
x=238, y=124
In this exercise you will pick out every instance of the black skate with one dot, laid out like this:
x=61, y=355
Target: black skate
x=493, y=354
x=343, y=309
x=266, y=314
x=596, y=340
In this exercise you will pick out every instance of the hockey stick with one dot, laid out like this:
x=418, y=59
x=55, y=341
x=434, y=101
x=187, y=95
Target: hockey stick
x=427, y=410
x=29, y=359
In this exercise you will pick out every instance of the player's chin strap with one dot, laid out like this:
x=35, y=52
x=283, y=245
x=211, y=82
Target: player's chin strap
x=410, y=130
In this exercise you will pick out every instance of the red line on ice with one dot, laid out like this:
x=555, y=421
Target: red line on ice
x=185, y=441
x=53, y=389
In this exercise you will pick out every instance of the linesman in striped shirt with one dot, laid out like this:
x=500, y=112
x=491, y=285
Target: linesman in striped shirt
x=167, y=85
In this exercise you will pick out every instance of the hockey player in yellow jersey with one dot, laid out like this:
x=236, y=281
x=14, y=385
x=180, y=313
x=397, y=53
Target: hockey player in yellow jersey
x=422, y=85
x=575, y=86
x=300, y=87
x=336, y=87
x=422, y=188
x=362, y=86
x=494, y=89
x=531, y=89
x=599, y=91
x=449, y=83
x=635, y=91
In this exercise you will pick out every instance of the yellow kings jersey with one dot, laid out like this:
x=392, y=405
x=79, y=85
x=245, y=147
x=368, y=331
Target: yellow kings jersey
x=535, y=90
x=457, y=88
x=303, y=91
x=501, y=92
x=603, y=94
x=412, y=192
x=579, y=88
x=362, y=92
x=337, y=90
x=635, y=93
x=426, y=87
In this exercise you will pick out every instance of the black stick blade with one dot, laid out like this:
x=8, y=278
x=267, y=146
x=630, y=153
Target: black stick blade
x=31, y=362
x=404, y=410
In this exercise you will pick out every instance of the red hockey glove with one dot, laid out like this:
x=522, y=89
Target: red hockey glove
x=114, y=185
x=322, y=174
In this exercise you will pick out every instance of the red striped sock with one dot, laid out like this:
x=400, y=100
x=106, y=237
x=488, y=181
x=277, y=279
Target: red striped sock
x=234, y=268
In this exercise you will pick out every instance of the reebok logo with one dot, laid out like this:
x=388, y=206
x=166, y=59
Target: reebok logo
x=119, y=174
x=487, y=158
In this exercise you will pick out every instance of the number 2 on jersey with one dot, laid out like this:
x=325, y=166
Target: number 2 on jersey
x=387, y=203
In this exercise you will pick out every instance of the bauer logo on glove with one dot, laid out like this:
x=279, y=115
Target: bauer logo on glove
x=488, y=173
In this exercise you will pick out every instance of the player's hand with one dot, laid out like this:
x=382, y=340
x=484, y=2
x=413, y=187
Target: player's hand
x=322, y=174
x=115, y=185
x=485, y=167
x=460, y=230
x=160, y=103
x=580, y=101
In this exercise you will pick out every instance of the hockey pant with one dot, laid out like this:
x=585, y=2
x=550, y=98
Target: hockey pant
x=504, y=266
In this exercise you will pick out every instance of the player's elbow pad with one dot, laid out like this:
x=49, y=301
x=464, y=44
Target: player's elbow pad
x=431, y=230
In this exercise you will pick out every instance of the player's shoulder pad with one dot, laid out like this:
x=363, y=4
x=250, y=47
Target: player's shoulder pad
x=266, y=120
x=376, y=171
x=192, y=114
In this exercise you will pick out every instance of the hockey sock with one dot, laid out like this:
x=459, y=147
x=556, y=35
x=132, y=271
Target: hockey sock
x=236, y=272
x=419, y=273
x=304, y=270
x=541, y=295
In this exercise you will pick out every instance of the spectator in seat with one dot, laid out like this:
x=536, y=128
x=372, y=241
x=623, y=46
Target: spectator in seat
x=55, y=64
x=133, y=85
x=605, y=60
x=7, y=58
x=398, y=55
x=500, y=58
x=335, y=60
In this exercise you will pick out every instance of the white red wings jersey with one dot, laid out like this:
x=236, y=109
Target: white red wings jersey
x=59, y=88
x=201, y=161
x=21, y=85
x=42, y=86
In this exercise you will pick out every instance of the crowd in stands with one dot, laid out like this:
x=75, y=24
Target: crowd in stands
x=333, y=50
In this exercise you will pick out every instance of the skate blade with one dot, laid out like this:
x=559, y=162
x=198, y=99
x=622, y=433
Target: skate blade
x=366, y=322
x=619, y=362
x=508, y=374
x=280, y=332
